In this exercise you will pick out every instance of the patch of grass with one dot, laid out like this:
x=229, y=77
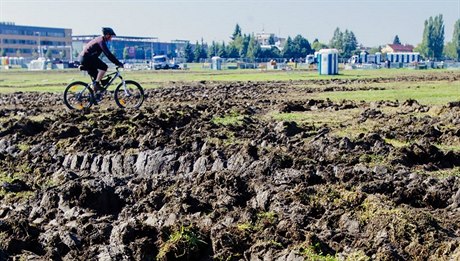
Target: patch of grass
x=15, y=173
x=372, y=159
x=233, y=118
x=427, y=93
x=57, y=80
x=357, y=256
x=3, y=238
x=264, y=219
x=181, y=242
x=226, y=138
x=397, y=143
x=314, y=253
x=23, y=195
x=5, y=177
x=443, y=173
x=276, y=244
x=401, y=223
x=245, y=227
x=333, y=196
x=445, y=148
x=267, y=218
x=373, y=208
x=353, y=130
x=23, y=147
x=317, y=117
x=122, y=128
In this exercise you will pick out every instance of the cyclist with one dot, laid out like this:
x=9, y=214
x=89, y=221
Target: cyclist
x=89, y=57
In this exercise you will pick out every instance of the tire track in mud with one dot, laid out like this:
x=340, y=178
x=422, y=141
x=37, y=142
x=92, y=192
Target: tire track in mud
x=116, y=185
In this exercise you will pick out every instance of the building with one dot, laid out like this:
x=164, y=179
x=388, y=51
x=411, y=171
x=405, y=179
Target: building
x=34, y=41
x=131, y=47
x=268, y=40
x=123, y=47
x=398, y=48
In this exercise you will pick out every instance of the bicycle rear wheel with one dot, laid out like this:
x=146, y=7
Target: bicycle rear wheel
x=78, y=96
x=129, y=95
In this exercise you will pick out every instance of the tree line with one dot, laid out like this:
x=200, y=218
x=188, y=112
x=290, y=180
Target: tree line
x=246, y=45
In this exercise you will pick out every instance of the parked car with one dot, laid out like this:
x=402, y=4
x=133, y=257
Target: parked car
x=162, y=62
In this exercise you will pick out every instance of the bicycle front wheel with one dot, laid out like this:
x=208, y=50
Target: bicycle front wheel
x=129, y=95
x=78, y=96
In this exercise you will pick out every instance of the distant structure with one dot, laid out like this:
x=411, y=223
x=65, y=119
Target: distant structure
x=34, y=41
x=133, y=47
x=398, y=53
x=269, y=40
x=328, y=61
x=398, y=48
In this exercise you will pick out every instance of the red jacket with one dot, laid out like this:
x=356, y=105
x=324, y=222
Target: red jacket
x=97, y=46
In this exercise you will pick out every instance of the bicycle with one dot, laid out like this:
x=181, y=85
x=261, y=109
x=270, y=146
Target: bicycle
x=80, y=95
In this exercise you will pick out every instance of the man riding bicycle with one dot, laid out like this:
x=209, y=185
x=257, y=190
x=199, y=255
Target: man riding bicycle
x=89, y=57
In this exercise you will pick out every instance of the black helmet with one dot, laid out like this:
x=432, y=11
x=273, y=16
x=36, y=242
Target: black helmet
x=108, y=30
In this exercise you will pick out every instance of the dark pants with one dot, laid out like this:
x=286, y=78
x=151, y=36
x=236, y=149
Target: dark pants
x=92, y=64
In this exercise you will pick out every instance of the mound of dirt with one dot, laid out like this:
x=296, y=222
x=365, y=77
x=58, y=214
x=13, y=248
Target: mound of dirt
x=170, y=182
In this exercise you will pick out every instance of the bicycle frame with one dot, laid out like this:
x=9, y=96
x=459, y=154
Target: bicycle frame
x=117, y=74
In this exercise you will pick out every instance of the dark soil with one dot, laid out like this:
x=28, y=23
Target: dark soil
x=168, y=182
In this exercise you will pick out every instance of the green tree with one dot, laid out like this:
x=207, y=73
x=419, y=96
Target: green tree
x=236, y=44
x=232, y=51
x=222, y=50
x=2, y=52
x=273, y=52
x=456, y=39
x=301, y=47
x=197, y=52
x=203, y=50
x=337, y=40
x=433, y=37
x=396, y=40
x=449, y=51
x=288, y=49
x=18, y=53
x=254, y=49
x=213, y=49
x=236, y=32
x=243, y=50
x=271, y=40
x=316, y=45
x=349, y=44
x=188, y=53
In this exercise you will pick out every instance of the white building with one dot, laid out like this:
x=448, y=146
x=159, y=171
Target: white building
x=264, y=39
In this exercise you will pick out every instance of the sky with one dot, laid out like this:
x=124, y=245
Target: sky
x=374, y=22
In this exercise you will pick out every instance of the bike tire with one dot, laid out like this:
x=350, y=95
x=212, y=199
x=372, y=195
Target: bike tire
x=131, y=97
x=78, y=96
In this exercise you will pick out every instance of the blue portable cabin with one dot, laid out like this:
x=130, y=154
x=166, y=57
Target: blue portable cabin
x=364, y=57
x=403, y=57
x=378, y=58
x=328, y=62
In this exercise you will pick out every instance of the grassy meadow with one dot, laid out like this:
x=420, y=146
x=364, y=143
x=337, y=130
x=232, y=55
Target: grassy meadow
x=427, y=92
